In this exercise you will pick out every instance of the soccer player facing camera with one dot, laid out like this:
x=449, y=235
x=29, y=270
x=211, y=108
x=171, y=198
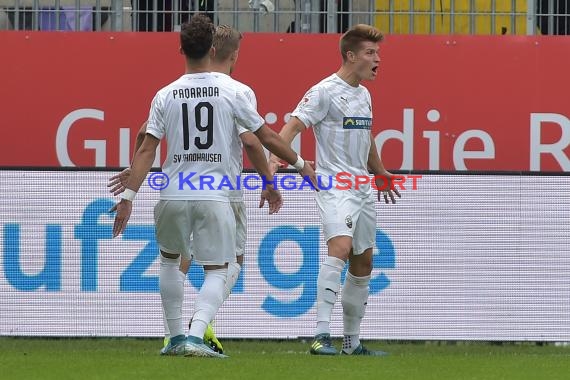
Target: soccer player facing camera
x=339, y=109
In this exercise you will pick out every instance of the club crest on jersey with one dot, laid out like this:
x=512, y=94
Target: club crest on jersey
x=356, y=122
x=348, y=221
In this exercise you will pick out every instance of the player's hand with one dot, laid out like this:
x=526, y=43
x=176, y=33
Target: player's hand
x=309, y=173
x=273, y=198
x=123, y=209
x=385, y=181
x=274, y=164
x=118, y=182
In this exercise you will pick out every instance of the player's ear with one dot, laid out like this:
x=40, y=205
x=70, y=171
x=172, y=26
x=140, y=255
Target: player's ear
x=350, y=56
x=180, y=50
x=212, y=52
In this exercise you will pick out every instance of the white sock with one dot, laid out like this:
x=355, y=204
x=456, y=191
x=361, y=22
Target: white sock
x=354, y=299
x=209, y=300
x=166, y=329
x=171, y=283
x=328, y=285
x=232, y=276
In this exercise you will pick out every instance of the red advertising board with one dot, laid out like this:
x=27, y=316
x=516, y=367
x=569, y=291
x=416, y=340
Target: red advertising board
x=439, y=103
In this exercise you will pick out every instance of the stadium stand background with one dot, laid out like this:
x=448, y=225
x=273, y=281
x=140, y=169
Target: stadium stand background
x=495, y=17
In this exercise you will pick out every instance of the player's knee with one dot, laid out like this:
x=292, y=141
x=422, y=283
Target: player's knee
x=360, y=268
x=184, y=265
x=361, y=265
x=340, y=246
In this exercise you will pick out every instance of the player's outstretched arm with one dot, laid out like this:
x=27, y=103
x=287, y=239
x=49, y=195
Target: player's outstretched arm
x=256, y=156
x=254, y=151
x=290, y=130
x=144, y=157
x=277, y=145
x=118, y=181
x=384, y=181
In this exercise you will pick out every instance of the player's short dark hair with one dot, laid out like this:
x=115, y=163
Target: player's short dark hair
x=196, y=36
x=350, y=41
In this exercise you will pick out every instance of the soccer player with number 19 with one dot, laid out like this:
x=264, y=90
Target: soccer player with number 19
x=197, y=114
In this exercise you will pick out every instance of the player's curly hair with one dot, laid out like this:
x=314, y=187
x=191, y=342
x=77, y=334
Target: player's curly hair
x=350, y=41
x=196, y=36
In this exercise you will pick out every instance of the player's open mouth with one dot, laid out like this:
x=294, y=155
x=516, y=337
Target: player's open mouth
x=375, y=69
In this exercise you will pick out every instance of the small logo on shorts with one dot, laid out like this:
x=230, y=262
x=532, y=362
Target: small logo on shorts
x=348, y=221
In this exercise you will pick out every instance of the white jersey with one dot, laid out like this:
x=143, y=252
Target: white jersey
x=237, y=146
x=197, y=114
x=341, y=117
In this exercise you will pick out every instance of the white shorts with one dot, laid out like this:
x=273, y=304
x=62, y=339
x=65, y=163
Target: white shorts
x=207, y=226
x=344, y=214
x=238, y=208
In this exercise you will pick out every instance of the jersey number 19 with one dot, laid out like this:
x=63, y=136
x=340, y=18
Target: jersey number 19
x=198, y=123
